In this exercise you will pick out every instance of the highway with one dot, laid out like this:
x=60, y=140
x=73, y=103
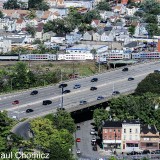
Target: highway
x=107, y=82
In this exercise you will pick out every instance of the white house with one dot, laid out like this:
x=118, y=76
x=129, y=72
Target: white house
x=131, y=11
x=8, y=24
x=130, y=136
x=5, y=46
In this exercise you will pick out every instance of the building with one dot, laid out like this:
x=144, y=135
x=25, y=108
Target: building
x=5, y=45
x=130, y=136
x=149, y=138
x=111, y=135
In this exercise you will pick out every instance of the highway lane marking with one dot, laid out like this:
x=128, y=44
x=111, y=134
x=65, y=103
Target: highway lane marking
x=75, y=92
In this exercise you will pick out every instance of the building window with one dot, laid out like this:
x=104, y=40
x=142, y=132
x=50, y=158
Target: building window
x=130, y=130
x=136, y=130
x=130, y=137
x=136, y=137
x=105, y=130
x=124, y=137
x=124, y=130
x=119, y=130
x=110, y=130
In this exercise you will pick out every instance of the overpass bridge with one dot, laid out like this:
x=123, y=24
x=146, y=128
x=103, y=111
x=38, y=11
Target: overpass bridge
x=108, y=82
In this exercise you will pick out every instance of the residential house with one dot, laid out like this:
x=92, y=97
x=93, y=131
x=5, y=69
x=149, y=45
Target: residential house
x=133, y=45
x=97, y=35
x=120, y=8
x=20, y=23
x=48, y=35
x=119, y=25
x=8, y=24
x=149, y=138
x=73, y=37
x=130, y=135
x=95, y=23
x=39, y=31
x=107, y=36
x=52, y=3
x=5, y=46
x=111, y=135
x=140, y=30
x=88, y=36
x=131, y=11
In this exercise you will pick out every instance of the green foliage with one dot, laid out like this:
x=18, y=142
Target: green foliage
x=32, y=14
x=38, y=5
x=104, y=6
x=131, y=30
x=100, y=115
x=64, y=120
x=31, y=30
x=11, y=4
x=149, y=84
x=112, y=158
x=151, y=18
x=153, y=29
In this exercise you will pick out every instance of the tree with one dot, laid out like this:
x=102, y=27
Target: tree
x=131, y=30
x=32, y=14
x=11, y=4
x=90, y=15
x=103, y=5
x=151, y=18
x=1, y=14
x=152, y=29
x=149, y=84
x=38, y=5
x=112, y=158
x=43, y=6
x=100, y=115
x=63, y=120
x=31, y=30
x=94, y=52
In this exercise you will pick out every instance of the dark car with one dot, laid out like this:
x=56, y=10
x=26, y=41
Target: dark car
x=78, y=127
x=94, y=148
x=100, y=97
x=66, y=91
x=93, y=143
x=29, y=110
x=125, y=69
x=76, y=86
x=157, y=152
x=93, y=88
x=146, y=152
x=133, y=153
x=115, y=92
x=34, y=92
x=15, y=102
x=94, y=79
x=63, y=85
x=130, y=79
x=83, y=102
x=47, y=102
x=60, y=109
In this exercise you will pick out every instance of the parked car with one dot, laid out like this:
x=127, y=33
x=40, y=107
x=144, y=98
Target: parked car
x=157, y=152
x=125, y=69
x=76, y=86
x=115, y=92
x=29, y=110
x=83, y=102
x=78, y=151
x=93, y=143
x=93, y=88
x=93, y=140
x=94, y=148
x=66, y=91
x=47, y=102
x=146, y=152
x=133, y=153
x=15, y=102
x=94, y=79
x=100, y=97
x=130, y=79
x=63, y=85
x=78, y=140
x=34, y=92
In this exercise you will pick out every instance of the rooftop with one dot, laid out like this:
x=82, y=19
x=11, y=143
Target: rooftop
x=112, y=124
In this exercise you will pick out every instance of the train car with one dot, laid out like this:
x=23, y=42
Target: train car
x=146, y=55
x=9, y=57
x=37, y=57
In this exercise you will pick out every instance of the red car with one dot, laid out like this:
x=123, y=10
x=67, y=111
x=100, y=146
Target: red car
x=15, y=102
x=78, y=140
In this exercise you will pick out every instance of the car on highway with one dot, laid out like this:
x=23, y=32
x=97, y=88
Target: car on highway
x=100, y=97
x=15, y=102
x=130, y=79
x=76, y=86
x=93, y=88
x=78, y=140
x=34, y=92
x=29, y=110
x=115, y=92
x=125, y=69
x=66, y=91
x=78, y=151
x=83, y=102
x=47, y=102
x=94, y=79
x=63, y=85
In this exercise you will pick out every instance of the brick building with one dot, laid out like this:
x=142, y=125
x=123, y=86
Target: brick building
x=111, y=135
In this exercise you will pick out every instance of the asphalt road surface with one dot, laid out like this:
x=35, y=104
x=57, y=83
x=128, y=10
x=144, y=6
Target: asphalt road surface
x=107, y=82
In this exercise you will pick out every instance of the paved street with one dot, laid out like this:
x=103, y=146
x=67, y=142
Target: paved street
x=108, y=81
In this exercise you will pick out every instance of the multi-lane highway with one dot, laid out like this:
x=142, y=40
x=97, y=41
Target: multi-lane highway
x=107, y=82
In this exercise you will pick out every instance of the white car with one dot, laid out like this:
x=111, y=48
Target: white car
x=93, y=140
x=78, y=151
x=92, y=133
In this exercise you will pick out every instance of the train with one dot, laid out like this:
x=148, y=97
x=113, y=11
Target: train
x=81, y=56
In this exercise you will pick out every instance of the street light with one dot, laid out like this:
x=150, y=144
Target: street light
x=12, y=81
